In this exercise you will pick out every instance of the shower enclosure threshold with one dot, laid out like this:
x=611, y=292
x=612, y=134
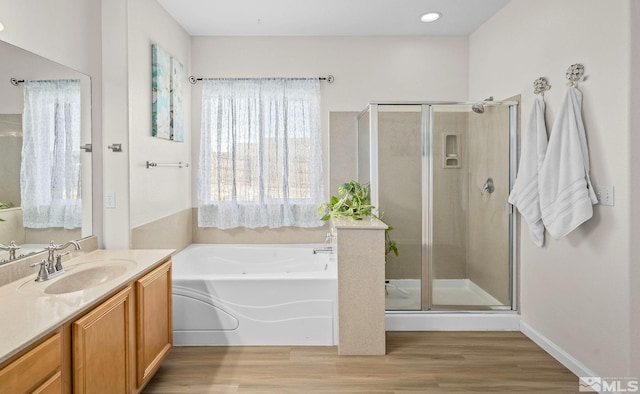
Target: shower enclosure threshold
x=452, y=321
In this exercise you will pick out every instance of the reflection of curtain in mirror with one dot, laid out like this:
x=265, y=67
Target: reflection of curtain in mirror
x=50, y=172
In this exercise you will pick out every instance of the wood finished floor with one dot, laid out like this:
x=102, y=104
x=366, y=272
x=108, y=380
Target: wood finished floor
x=425, y=362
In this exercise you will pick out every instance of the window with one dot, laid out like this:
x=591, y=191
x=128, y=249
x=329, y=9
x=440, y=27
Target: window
x=260, y=153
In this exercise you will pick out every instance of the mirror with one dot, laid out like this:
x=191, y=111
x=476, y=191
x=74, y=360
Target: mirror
x=33, y=228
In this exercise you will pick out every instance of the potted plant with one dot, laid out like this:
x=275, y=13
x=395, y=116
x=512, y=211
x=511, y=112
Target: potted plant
x=354, y=201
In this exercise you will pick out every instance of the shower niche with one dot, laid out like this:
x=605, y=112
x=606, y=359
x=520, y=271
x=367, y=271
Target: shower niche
x=427, y=164
x=451, y=150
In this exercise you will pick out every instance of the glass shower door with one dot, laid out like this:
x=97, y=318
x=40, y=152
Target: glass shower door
x=400, y=200
x=469, y=264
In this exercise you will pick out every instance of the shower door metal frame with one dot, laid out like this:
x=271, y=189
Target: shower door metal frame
x=373, y=158
x=427, y=205
x=514, y=262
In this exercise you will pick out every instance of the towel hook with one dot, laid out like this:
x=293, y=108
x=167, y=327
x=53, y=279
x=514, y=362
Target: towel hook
x=541, y=85
x=575, y=74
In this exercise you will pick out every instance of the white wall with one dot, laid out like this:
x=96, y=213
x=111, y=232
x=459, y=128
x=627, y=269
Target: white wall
x=365, y=69
x=155, y=192
x=634, y=272
x=142, y=195
x=115, y=110
x=574, y=291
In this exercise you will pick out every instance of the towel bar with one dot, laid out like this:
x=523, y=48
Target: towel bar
x=178, y=164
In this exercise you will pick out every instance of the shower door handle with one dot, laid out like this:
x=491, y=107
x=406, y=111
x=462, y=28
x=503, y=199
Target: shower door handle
x=488, y=187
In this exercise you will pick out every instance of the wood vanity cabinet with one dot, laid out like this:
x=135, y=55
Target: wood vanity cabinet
x=116, y=347
x=119, y=345
x=36, y=371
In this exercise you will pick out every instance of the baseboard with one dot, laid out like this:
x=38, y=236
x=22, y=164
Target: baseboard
x=556, y=351
x=400, y=321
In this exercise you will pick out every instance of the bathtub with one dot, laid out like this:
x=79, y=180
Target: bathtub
x=254, y=295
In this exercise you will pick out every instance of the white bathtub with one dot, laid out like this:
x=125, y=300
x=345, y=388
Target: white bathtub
x=254, y=295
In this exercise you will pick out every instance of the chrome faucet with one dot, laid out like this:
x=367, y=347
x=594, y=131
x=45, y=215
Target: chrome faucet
x=52, y=266
x=331, y=236
x=12, y=247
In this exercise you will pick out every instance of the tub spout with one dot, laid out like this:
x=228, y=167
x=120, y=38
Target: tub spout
x=327, y=249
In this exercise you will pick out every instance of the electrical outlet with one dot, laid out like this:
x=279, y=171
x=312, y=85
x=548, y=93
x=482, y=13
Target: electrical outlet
x=110, y=200
x=604, y=194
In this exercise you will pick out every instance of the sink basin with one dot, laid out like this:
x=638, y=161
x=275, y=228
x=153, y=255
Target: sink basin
x=85, y=279
x=79, y=277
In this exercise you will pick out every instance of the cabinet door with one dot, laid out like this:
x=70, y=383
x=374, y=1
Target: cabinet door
x=153, y=317
x=101, y=347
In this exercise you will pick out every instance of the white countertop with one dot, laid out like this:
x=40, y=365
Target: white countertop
x=28, y=314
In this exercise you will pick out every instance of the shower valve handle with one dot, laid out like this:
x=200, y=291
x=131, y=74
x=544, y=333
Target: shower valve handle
x=488, y=187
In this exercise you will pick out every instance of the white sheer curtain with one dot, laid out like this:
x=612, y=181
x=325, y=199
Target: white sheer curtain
x=260, y=153
x=50, y=172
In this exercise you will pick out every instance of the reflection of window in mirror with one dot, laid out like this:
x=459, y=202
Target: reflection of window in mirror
x=17, y=66
x=50, y=171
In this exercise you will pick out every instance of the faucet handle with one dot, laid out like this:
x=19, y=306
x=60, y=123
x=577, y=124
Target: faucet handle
x=43, y=274
x=58, y=265
x=38, y=263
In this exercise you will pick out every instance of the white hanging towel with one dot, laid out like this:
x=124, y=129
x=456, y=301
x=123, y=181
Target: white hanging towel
x=525, y=194
x=566, y=193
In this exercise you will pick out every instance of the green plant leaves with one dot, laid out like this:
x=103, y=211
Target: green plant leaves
x=354, y=200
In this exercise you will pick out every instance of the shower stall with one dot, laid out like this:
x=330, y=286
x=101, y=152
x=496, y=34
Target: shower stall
x=440, y=175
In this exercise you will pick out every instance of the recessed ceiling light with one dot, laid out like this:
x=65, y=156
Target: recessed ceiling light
x=1, y=26
x=431, y=17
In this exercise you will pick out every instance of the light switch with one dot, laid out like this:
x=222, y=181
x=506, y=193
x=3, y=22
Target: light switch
x=110, y=200
x=605, y=195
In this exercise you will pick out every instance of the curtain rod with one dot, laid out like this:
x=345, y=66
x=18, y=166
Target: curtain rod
x=16, y=81
x=193, y=80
